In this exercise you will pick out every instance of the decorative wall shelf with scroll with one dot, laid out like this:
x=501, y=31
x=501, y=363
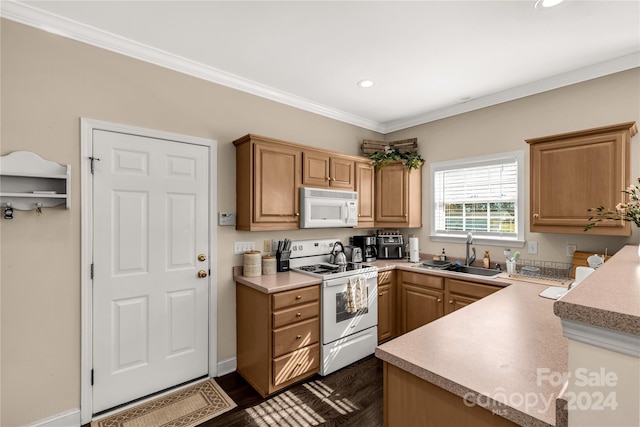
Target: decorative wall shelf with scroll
x=28, y=182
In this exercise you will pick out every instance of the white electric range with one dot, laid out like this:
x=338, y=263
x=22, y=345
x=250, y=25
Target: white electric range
x=348, y=319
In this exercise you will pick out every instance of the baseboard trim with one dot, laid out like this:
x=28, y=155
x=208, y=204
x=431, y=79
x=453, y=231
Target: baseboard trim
x=69, y=418
x=227, y=366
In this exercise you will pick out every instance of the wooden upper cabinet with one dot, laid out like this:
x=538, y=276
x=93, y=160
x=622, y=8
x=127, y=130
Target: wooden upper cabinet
x=398, y=197
x=321, y=169
x=365, y=186
x=268, y=176
x=575, y=171
x=270, y=172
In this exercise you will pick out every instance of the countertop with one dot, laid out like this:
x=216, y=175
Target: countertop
x=491, y=349
x=271, y=283
x=608, y=298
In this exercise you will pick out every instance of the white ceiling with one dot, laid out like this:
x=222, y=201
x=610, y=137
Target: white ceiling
x=429, y=59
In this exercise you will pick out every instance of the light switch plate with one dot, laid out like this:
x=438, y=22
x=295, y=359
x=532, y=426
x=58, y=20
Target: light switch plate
x=532, y=247
x=242, y=247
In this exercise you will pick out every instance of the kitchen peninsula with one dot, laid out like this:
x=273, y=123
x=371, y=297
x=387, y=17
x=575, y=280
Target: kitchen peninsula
x=505, y=352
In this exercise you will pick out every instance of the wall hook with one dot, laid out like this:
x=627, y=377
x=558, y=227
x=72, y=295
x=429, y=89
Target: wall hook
x=8, y=211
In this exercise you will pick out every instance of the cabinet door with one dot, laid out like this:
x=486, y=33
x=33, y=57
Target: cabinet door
x=419, y=306
x=398, y=197
x=573, y=172
x=386, y=312
x=315, y=169
x=342, y=173
x=277, y=178
x=365, y=187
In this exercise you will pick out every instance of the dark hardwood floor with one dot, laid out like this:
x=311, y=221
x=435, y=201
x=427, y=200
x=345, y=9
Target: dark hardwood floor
x=351, y=396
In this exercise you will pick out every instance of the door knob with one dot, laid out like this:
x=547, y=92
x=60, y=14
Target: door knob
x=202, y=257
x=202, y=274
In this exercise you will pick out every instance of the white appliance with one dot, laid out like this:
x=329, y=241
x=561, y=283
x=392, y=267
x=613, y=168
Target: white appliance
x=324, y=208
x=345, y=336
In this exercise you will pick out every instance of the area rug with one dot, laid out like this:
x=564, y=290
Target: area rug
x=186, y=407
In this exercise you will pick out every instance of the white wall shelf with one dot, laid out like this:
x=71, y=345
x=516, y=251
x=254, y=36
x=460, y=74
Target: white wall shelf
x=28, y=182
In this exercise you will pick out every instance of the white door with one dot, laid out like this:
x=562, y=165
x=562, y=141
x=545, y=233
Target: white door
x=150, y=225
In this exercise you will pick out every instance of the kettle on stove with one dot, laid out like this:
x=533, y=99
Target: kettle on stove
x=338, y=256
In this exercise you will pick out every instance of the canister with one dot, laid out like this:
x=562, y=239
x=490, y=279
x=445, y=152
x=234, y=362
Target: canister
x=268, y=264
x=252, y=264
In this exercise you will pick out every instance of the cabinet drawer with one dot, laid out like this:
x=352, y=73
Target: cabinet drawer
x=298, y=335
x=423, y=280
x=296, y=364
x=295, y=314
x=385, y=277
x=294, y=297
x=474, y=290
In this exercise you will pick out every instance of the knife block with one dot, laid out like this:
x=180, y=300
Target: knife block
x=282, y=261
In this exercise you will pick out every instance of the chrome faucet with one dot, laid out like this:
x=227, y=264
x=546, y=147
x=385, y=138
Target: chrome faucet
x=469, y=259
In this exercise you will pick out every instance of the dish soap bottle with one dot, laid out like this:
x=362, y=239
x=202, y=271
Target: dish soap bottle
x=443, y=256
x=486, y=261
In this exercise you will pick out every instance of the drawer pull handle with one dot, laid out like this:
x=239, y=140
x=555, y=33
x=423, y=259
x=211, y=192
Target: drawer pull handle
x=298, y=297
x=298, y=314
x=298, y=337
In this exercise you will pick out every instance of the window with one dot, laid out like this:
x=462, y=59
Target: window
x=482, y=195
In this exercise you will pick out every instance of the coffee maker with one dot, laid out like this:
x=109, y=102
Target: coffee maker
x=368, y=246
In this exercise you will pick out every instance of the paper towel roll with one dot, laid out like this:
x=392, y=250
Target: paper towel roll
x=414, y=249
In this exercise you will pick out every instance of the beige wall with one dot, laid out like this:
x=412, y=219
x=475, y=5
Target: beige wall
x=505, y=127
x=49, y=82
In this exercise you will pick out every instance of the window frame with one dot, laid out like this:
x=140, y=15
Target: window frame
x=491, y=240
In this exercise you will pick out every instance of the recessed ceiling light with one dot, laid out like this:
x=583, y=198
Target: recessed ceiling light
x=366, y=83
x=545, y=4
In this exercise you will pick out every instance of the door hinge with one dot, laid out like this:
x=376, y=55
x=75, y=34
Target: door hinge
x=93, y=160
x=92, y=377
x=91, y=271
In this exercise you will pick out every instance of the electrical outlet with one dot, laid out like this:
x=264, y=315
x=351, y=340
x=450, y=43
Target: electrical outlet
x=532, y=247
x=242, y=247
x=570, y=249
x=266, y=246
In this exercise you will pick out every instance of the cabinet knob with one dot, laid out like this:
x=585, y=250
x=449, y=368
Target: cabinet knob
x=380, y=294
x=298, y=314
x=297, y=213
x=439, y=300
x=536, y=215
x=298, y=337
x=450, y=301
x=202, y=274
x=298, y=297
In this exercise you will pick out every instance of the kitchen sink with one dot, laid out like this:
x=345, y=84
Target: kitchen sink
x=478, y=271
x=457, y=268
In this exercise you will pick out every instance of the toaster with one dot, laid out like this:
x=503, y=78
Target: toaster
x=354, y=253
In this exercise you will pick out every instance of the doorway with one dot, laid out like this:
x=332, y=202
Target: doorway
x=148, y=241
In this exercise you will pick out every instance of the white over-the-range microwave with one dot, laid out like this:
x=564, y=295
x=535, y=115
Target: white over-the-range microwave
x=324, y=208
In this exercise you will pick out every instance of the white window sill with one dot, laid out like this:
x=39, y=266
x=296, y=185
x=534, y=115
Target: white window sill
x=479, y=240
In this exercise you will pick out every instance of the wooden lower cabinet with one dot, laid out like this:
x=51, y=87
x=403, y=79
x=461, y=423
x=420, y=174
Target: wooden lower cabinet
x=277, y=336
x=386, y=306
x=421, y=300
x=412, y=401
x=460, y=293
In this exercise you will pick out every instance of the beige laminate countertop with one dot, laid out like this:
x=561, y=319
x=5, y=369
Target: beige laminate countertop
x=491, y=349
x=610, y=297
x=271, y=283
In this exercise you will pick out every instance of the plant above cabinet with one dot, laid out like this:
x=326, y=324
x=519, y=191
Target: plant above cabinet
x=383, y=153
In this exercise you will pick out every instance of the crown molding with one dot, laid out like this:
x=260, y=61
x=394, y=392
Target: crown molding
x=45, y=21
x=51, y=23
x=615, y=65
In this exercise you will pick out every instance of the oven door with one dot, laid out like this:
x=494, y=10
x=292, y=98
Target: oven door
x=337, y=322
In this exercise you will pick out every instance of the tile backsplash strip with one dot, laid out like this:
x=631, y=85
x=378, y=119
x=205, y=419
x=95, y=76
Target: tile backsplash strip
x=549, y=270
